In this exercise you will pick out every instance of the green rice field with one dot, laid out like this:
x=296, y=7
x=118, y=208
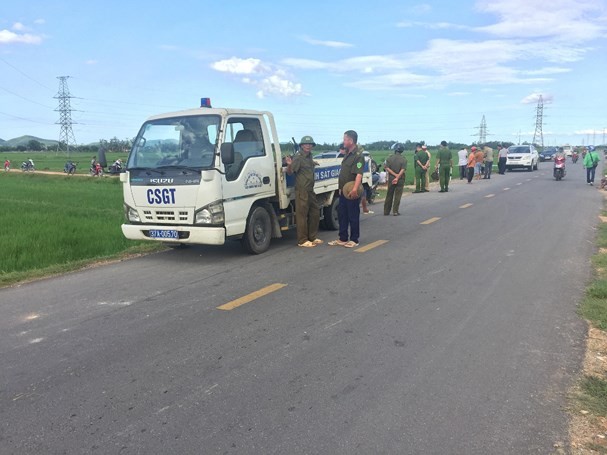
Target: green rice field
x=52, y=224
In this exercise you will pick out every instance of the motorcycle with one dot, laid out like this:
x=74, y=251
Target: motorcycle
x=574, y=157
x=372, y=191
x=27, y=166
x=96, y=170
x=116, y=168
x=69, y=168
x=559, y=168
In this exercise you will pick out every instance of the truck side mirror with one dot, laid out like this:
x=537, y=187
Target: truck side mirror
x=227, y=153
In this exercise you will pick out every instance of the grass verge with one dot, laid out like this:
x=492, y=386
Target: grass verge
x=588, y=425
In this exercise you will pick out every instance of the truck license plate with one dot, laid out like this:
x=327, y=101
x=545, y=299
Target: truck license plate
x=164, y=234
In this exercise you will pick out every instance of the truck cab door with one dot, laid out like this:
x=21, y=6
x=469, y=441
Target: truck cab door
x=252, y=175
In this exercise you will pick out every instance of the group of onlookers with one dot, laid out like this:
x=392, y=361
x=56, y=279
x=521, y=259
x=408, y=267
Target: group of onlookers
x=478, y=162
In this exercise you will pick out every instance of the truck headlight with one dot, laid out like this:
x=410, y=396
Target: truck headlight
x=210, y=214
x=131, y=214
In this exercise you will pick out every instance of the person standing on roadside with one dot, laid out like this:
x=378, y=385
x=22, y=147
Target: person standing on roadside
x=421, y=163
x=307, y=209
x=479, y=158
x=502, y=157
x=591, y=161
x=395, y=166
x=471, y=164
x=348, y=210
x=488, y=161
x=425, y=149
x=7, y=165
x=462, y=162
x=444, y=163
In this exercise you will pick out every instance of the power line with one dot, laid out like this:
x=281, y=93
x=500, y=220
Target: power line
x=24, y=98
x=29, y=77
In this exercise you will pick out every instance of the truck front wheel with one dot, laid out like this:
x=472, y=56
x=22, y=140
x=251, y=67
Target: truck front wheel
x=257, y=237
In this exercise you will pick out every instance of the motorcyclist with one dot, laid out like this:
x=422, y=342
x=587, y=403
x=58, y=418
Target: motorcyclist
x=559, y=160
x=117, y=166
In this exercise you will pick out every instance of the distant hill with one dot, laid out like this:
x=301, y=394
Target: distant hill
x=23, y=140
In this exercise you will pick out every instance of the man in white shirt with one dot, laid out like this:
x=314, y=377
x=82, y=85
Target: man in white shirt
x=462, y=162
x=502, y=156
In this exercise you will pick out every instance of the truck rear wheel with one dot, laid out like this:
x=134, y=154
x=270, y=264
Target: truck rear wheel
x=256, y=239
x=331, y=217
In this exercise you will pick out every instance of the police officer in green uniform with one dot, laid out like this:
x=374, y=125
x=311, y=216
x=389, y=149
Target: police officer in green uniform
x=307, y=209
x=348, y=210
x=396, y=165
x=421, y=167
x=444, y=162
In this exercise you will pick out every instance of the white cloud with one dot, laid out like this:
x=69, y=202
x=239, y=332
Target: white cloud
x=39, y=21
x=8, y=37
x=433, y=25
x=533, y=98
x=589, y=131
x=237, y=65
x=568, y=21
x=19, y=26
x=267, y=78
x=91, y=62
x=333, y=44
x=459, y=93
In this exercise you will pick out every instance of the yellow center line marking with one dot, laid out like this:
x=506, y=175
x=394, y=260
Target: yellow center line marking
x=252, y=296
x=370, y=246
x=465, y=206
x=431, y=220
x=506, y=189
x=490, y=195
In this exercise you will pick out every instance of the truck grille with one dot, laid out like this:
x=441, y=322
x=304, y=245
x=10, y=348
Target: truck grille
x=166, y=216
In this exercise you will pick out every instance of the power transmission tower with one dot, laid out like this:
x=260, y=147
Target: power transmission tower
x=539, y=119
x=482, y=132
x=66, y=135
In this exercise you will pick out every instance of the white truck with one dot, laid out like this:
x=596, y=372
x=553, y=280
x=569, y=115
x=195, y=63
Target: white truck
x=208, y=175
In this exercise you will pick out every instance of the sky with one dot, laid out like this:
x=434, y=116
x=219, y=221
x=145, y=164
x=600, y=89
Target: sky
x=391, y=70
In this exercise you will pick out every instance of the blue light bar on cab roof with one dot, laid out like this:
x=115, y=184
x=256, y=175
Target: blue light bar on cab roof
x=205, y=102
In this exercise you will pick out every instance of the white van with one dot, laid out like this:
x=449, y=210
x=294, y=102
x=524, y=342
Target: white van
x=567, y=150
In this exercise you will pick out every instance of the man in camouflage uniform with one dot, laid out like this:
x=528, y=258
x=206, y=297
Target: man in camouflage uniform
x=307, y=210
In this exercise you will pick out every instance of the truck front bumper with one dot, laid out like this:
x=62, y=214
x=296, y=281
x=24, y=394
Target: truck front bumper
x=187, y=234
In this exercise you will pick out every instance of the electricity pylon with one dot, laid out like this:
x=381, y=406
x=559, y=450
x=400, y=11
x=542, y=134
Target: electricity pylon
x=66, y=135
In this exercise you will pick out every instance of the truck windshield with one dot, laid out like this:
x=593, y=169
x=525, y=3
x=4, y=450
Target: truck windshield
x=187, y=142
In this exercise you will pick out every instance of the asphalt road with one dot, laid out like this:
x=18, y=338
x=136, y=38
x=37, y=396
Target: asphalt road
x=458, y=335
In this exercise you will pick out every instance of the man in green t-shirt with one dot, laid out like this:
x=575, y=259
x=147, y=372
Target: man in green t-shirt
x=444, y=163
x=421, y=164
x=396, y=165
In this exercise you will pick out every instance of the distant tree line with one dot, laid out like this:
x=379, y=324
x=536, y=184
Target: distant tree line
x=112, y=145
x=124, y=146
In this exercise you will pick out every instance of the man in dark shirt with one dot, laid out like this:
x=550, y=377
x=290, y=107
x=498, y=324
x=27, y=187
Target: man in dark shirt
x=349, y=208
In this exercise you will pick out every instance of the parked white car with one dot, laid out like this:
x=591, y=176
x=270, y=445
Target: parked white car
x=522, y=156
